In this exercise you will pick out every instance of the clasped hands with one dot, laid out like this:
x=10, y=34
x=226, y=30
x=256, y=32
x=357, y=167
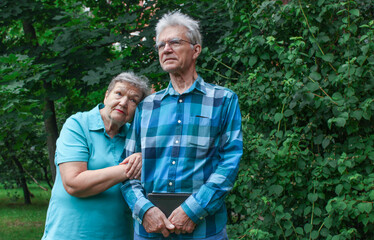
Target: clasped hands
x=155, y=221
x=133, y=165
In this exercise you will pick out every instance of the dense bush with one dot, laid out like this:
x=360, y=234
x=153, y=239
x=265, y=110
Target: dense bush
x=305, y=80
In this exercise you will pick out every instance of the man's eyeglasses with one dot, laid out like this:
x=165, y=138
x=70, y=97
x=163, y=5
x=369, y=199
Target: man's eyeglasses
x=173, y=44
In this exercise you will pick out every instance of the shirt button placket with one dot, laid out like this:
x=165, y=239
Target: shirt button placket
x=176, y=146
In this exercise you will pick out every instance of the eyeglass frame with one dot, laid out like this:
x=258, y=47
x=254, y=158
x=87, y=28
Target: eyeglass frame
x=177, y=41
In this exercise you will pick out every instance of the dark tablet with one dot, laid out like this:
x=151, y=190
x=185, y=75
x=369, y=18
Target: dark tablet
x=167, y=202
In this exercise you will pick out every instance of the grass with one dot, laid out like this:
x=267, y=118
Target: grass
x=19, y=221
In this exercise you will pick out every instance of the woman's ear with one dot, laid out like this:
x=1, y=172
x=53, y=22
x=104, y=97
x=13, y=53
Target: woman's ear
x=106, y=95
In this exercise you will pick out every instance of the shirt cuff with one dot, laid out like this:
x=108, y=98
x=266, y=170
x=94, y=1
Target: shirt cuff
x=140, y=208
x=193, y=209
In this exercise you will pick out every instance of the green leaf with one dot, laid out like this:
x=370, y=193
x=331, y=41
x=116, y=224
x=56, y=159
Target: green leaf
x=355, y=12
x=365, y=207
x=252, y=61
x=328, y=57
x=328, y=221
x=338, y=189
x=353, y=28
x=308, y=228
x=336, y=237
x=312, y=197
x=299, y=230
x=317, y=211
x=337, y=96
x=315, y=76
x=371, y=155
x=324, y=232
x=265, y=56
x=325, y=142
x=357, y=114
x=312, y=86
x=314, y=234
x=342, y=169
x=278, y=117
x=288, y=225
x=340, y=122
x=288, y=113
x=236, y=58
x=371, y=195
x=276, y=189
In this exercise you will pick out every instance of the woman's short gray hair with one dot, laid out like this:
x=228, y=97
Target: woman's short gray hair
x=177, y=18
x=140, y=82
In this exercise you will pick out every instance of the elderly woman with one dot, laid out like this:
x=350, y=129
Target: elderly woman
x=86, y=202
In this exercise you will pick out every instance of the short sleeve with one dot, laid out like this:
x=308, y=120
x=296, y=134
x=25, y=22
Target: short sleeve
x=72, y=143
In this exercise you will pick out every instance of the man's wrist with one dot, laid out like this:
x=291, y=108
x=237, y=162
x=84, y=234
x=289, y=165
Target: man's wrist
x=142, y=211
x=194, y=211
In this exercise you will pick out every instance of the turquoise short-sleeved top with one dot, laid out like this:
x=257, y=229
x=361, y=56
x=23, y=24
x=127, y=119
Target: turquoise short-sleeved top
x=103, y=216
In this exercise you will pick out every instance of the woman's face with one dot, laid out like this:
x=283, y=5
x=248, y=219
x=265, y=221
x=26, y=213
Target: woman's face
x=120, y=103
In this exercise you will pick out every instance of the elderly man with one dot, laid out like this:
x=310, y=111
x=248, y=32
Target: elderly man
x=191, y=142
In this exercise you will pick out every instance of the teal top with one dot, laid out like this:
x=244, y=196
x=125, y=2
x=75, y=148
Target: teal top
x=103, y=216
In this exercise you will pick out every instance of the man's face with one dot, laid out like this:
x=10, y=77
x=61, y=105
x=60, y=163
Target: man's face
x=176, y=58
x=121, y=102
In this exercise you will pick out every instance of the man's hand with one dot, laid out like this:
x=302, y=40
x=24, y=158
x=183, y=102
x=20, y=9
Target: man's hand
x=155, y=221
x=181, y=221
x=134, y=165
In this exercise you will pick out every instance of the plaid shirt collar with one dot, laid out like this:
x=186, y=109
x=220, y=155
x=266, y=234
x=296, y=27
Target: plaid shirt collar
x=198, y=86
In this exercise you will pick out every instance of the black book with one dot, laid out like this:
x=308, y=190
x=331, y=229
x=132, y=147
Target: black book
x=167, y=202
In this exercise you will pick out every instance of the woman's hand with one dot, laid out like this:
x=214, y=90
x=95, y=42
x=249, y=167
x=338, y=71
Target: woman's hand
x=134, y=165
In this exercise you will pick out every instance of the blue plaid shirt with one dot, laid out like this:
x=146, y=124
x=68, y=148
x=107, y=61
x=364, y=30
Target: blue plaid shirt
x=190, y=143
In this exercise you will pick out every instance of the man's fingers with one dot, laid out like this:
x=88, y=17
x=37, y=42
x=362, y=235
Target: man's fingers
x=165, y=232
x=169, y=225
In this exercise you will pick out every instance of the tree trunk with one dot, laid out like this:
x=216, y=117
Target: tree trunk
x=22, y=181
x=50, y=123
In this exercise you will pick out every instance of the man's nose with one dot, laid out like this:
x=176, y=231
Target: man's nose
x=167, y=47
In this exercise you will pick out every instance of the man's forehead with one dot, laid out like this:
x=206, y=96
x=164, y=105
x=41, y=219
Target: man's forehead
x=173, y=32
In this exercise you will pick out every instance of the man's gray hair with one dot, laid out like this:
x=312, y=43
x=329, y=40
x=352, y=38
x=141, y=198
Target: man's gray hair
x=177, y=18
x=140, y=82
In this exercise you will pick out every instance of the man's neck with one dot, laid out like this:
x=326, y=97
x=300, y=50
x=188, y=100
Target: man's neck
x=182, y=83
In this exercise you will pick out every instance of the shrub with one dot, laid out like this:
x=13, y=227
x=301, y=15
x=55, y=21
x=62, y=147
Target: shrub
x=304, y=75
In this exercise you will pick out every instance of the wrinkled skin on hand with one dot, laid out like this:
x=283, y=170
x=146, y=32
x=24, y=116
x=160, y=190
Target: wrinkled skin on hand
x=183, y=224
x=155, y=221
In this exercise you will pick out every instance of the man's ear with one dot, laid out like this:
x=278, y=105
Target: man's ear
x=197, y=51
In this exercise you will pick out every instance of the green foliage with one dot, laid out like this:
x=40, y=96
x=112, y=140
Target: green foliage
x=21, y=133
x=305, y=81
x=303, y=72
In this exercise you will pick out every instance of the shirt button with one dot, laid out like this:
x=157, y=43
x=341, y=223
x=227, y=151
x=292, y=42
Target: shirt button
x=176, y=141
x=180, y=100
x=170, y=184
x=179, y=121
x=173, y=162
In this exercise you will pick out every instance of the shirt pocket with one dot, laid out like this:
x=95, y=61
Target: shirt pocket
x=200, y=136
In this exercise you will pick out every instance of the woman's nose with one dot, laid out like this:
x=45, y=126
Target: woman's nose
x=123, y=101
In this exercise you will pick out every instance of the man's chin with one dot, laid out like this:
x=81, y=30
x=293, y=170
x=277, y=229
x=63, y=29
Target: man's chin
x=170, y=69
